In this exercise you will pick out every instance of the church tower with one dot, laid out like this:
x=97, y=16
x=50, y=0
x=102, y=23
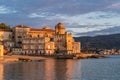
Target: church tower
x=60, y=28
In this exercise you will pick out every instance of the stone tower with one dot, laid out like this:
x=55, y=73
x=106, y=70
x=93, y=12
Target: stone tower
x=60, y=28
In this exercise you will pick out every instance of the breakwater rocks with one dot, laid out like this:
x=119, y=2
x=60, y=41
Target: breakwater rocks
x=79, y=56
x=85, y=56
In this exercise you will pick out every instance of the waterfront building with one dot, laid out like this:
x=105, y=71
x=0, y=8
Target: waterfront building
x=110, y=51
x=6, y=38
x=64, y=41
x=43, y=41
x=38, y=45
x=5, y=35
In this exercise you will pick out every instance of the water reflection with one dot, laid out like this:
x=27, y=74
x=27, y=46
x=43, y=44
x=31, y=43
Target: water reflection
x=50, y=69
x=66, y=69
x=73, y=69
x=61, y=69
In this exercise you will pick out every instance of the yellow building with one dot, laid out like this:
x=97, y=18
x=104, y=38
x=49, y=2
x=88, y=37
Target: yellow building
x=5, y=35
x=45, y=40
x=64, y=41
x=6, y=38
x=19, y=32
x=1, y=51
x=38, y=46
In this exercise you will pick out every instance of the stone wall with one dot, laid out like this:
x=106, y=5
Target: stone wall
x=1, y=51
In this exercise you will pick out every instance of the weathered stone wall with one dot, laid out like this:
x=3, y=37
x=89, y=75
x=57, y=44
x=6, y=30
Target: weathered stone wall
x=1, y=51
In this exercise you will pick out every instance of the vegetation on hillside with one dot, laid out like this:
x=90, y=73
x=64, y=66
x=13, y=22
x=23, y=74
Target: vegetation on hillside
x=4, y=26
x=100, y=42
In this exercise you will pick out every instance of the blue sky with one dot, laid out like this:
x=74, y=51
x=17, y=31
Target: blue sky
x=81, y=17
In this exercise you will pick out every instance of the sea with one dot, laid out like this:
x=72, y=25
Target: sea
x=63, y=69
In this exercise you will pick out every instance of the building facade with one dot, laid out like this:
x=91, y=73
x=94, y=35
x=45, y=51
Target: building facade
x=44, y=41
x=6, y=39
x=38, y=46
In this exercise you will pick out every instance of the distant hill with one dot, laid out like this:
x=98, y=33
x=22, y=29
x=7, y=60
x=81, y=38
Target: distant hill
x=100, y=42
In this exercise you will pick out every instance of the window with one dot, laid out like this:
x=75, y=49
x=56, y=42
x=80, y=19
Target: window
x=19, y=36
x=38, y=36
x=51, y=39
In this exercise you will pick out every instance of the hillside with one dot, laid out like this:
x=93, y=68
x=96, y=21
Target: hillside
x=100, y=42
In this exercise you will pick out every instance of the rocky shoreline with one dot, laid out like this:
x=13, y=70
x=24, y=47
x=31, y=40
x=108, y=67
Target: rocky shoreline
x=76, y=56
x=20, y=58
x=17, y=58
x=85, y=56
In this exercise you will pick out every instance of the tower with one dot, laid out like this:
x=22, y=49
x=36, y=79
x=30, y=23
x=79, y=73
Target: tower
x=60, y=28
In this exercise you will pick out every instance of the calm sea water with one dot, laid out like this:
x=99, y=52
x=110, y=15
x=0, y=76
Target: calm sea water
x=52, y=69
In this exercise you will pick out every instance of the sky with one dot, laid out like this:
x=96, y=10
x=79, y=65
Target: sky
x=81, y=17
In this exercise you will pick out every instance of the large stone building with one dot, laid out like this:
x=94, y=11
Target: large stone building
x=44, y=41
x=6, y=38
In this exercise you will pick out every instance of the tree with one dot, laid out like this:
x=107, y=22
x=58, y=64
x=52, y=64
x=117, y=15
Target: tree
x=4, y=26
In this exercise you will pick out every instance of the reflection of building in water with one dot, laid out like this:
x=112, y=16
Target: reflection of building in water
x=50, y=69
x=1, y=71
x=67, y=69
x=33, y=71
x=61, y=69
x=70, y=68
x=73, y=69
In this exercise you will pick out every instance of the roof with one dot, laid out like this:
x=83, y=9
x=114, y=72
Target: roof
x=60, y=26
x=46, y=27
x=34, y=29
x=21, y=26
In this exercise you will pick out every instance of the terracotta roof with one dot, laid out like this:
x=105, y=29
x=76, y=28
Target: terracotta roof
x=60, y=25
x=46, y=27
x=34, y=29
x=21, y=26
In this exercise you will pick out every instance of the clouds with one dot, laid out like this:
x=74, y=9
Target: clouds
x=114, y=6
x=79, y=16
x=97, y=18
x=6, y=10
x=106, y=31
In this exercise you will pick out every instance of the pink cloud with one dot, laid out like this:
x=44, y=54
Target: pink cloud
x=114, y=6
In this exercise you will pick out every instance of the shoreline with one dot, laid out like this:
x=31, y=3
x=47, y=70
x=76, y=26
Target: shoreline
x=89, y=55
x=19, y=58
